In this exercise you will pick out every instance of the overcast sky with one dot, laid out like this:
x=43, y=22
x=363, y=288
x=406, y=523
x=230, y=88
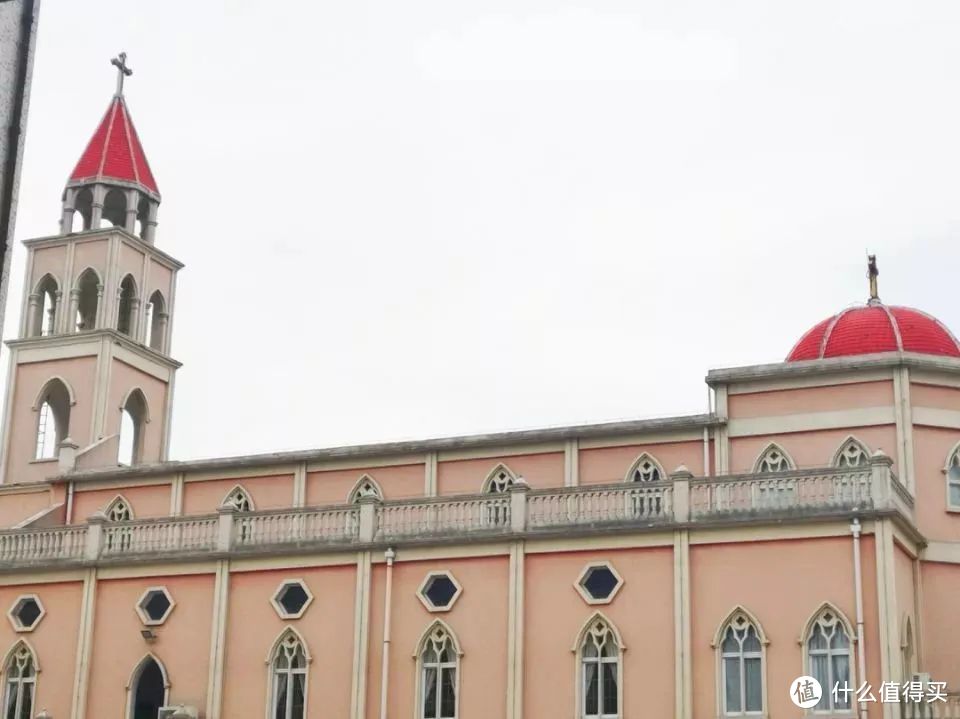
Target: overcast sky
x=409, y=219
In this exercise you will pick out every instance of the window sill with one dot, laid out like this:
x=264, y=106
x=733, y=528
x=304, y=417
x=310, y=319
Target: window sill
x=47, y=460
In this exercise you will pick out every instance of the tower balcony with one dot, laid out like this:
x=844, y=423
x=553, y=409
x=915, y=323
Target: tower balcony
x=802, y=496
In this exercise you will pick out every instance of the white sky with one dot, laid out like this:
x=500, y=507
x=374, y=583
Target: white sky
x=407, y=219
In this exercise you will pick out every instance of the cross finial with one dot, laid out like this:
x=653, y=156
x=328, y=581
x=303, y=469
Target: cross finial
x=872, y=273
x=120, y=62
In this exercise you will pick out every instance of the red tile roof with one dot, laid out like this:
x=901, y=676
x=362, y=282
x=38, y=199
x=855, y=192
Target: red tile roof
x=875, y=328
x=114, y=152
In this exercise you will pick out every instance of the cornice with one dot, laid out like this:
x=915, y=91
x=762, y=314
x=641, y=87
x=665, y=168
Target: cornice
x=77, y=338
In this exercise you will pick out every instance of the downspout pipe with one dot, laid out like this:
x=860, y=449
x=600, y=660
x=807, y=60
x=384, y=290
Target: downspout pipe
x=855, y=529
x=389, y=556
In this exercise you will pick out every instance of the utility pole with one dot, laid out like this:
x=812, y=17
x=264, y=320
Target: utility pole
x=18, y=35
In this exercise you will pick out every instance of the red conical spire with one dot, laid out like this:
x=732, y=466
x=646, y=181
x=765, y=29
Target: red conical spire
x=114, y=153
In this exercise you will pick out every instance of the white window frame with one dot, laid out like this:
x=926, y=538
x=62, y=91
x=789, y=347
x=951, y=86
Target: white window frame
x=278, y=607
x=15, y=621
x=497, y=484
x=953, y=461
x=437, y=631
x=737, y=614
x=19, y=646
x=582, y=590
x=236, y=497
x=112, y=508
x=135, y=677
x=842, y=623
x=273, y=683
x=597, y=622
x=421, y=591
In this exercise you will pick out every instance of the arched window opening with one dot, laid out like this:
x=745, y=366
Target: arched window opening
x=82, y=210
x=119, y=510
x=114, y=209
x=288, y=698
x=148, y=690
x=645, y=469
x=53, y=420
x=852, y=453
x=133, y=417
x=88, y=300
x=499, y=480
x=773, y=459
x=119, y=538
x=143, y=213
x=156, y=321
x=741, y=667
x=439, y=660
x=953, y=478
x=45, y=314
x=366, y=486
x=19, y=683
x=600, y=653
x=127, y=305
x=829, y=659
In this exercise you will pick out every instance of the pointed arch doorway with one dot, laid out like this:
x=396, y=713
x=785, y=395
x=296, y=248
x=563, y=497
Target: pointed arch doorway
x=148, y=689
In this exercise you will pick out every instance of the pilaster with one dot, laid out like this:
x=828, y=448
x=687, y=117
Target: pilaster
x=218, y=640
x=887, y=614
x=571, y=463
x=515, y=633
x=430, y=475
x=81, y=678
x=683, y=665
x=361, y=640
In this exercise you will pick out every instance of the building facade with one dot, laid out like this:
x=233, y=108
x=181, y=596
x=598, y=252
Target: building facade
x=686, y=567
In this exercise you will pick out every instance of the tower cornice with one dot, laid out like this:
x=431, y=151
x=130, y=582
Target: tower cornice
x=103, y=233
x=93, y=337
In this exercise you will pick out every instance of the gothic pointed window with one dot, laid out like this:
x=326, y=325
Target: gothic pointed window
x=645, y=469
x=366, y=486
x=19, y=683
x=953, y=479
x=83, y=210
x=148, y=689
x=133, y=419
x=773, y=459
x=88, y=300
x=499, y=480
x=439, y=662
x=852, y=453
x=114, y=213
x=53, y=418
x=741, y=666
x=829, y=658
x=47, y=302
x=238, y=499
x=127, y=305
x=600, y=653
x=288, y=696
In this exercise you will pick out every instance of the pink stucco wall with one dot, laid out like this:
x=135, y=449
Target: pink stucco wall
x=327, y=628
x=401, y=481
x=931, y=448
x=941, y=650
x=610, y=464
x=15, y=507
x=928, y=395
x=182, y=643
x=152, y=500
x=466, y=476
x=811, y=449
x=782, y=583
x=811, y=399
x=204, y=497
x=125, y=378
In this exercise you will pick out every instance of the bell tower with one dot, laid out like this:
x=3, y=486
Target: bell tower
x=90, y=380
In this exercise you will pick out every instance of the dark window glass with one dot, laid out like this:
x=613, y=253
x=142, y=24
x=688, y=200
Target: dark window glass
x=156, y=606
x=440, y=591
x=293, y=598
x=600, y=582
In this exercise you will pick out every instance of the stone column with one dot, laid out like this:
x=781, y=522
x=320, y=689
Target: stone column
x=368, y=518
x=96, y=209
x=161, y=321
x=72, y=310
x=681, y=477
x=150, y=226
x=94, y=541
x=135, y=319
x=130, y=221
x=57, y=296
x=66, y=218
x=880, y=465
x=33, y=307
x=226, y=513
x=518, y=505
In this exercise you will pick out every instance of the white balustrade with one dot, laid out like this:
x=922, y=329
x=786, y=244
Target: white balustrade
x=598, y=505
x=949, y=709
x=462, y=514
x=295, y=527
x=759, y=494
x=42, y=545
x=183, y=534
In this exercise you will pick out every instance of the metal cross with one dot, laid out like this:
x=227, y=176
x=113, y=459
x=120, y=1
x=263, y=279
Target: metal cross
x=872, y=273
x=120, y=62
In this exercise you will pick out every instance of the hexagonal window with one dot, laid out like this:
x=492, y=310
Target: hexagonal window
x=292, y=599
x=155, y=606
x=26, y=613
x=439, y=591
x=599, y=583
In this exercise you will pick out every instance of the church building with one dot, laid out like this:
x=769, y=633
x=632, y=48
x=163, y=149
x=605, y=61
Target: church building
x=687, y=567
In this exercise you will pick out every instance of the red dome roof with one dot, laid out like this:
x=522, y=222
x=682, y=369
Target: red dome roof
x=876, y=328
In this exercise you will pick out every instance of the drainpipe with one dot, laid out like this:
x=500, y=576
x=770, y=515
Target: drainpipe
x=385, y=659
x=858, y=589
